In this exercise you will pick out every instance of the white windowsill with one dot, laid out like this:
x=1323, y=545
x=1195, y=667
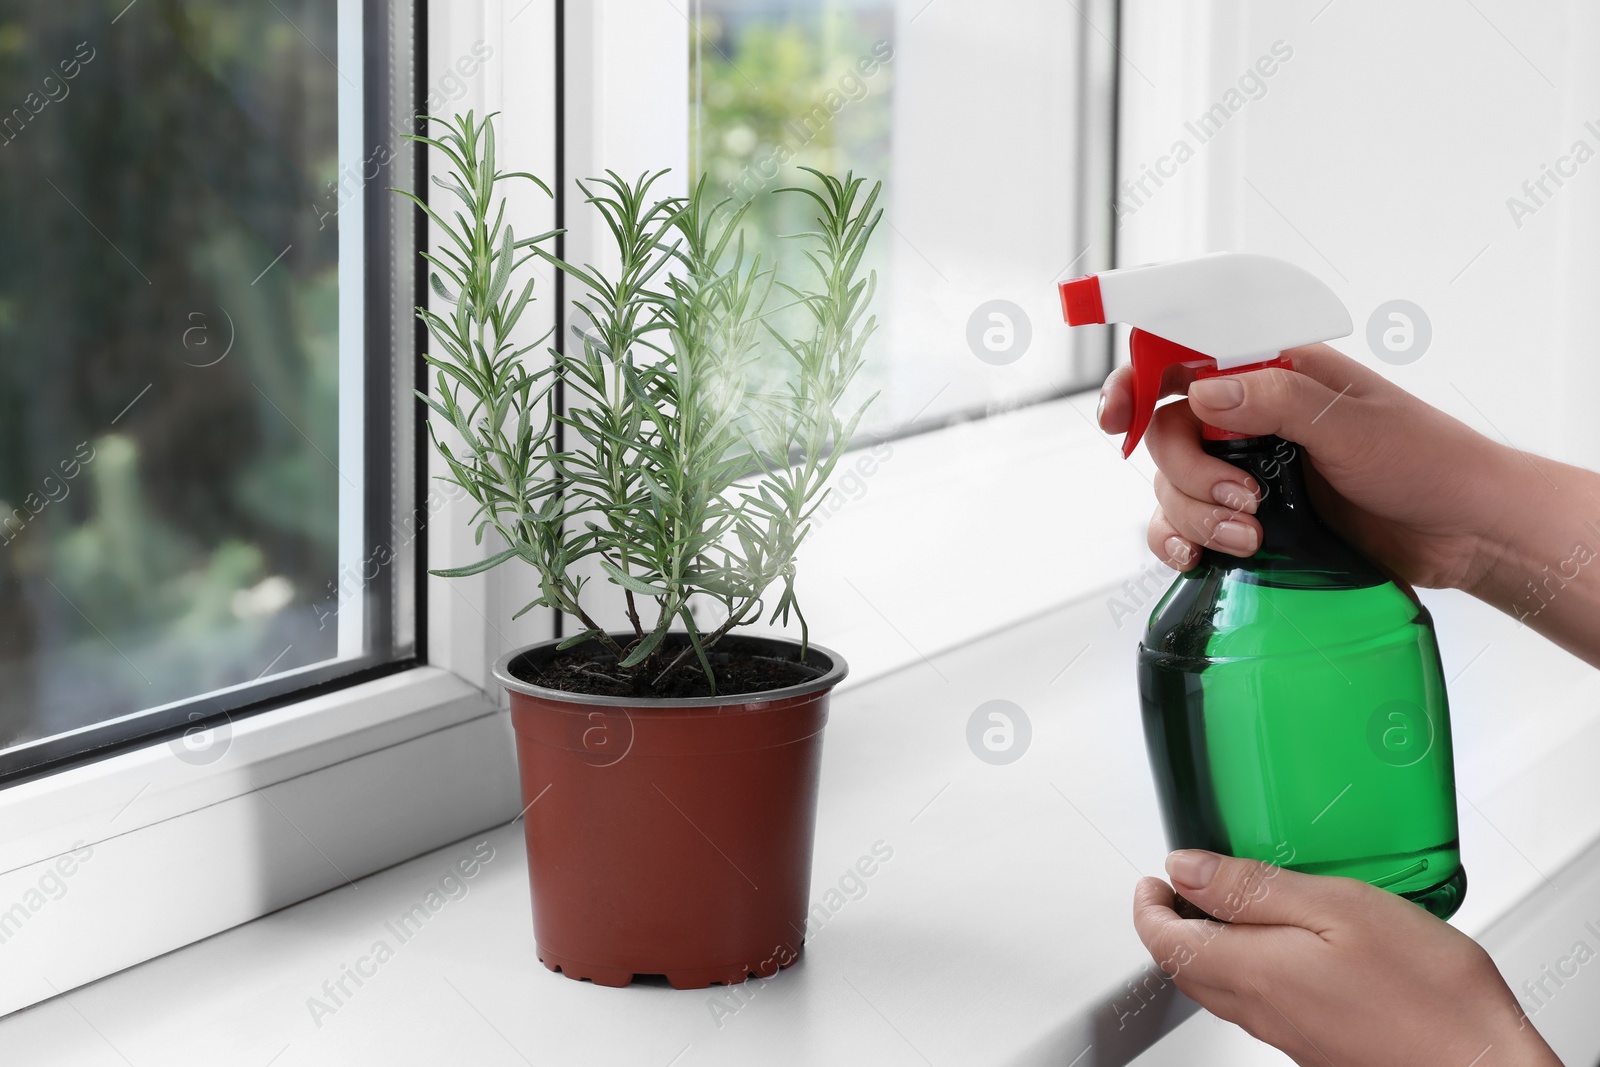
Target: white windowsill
x=115, y=862
x=151, y=784
x=997, y=933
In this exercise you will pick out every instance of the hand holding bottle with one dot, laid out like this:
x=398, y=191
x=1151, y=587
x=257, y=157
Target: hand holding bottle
x=1409, y=485
x=1329, y=969
x=1332, y=970
x=1428, y=497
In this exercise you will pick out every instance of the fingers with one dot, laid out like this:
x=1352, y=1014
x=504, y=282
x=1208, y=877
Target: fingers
x=1174, y=443
x=1171, y=547
x=1204, y=500
x=1325, y=399
x=1204, y=958
x=1175, y=943
x=1329, y=404
x=1319, y=362
x=1248, y=891
x=1205, y=523
x=1116, y=401
x=1116, y=395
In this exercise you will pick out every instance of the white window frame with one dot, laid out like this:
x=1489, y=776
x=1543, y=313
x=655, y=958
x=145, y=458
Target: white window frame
x=110, y=863
x=155, y=853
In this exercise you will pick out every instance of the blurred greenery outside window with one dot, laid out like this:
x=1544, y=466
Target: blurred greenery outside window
x=174, y=449
x=976, y=119
x=780, y=86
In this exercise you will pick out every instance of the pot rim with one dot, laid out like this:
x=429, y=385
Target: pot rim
x=836, y=672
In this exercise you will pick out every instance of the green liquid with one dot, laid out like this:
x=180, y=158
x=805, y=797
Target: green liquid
x=1298, y=715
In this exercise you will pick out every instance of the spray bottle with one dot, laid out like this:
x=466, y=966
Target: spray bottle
x=1294, y=705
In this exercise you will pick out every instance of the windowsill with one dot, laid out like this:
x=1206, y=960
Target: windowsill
x=997, y=933
x=123, y=859
x=147, y=785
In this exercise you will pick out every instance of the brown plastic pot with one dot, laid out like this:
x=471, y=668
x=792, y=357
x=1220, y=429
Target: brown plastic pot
x=673, y=836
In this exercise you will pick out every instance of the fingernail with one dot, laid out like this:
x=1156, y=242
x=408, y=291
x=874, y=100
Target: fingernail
x=1193, y=867
x=1100, y=410
x=1235, y=496
x=1237, y=536
x=1218, y=393
x=1177, y=550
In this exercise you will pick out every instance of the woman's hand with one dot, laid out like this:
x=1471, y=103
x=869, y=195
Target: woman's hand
x=1437, y=503
x=1332, y=970
x=1412, y=487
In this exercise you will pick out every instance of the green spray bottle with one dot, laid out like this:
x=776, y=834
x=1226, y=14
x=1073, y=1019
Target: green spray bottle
x=1294, y=705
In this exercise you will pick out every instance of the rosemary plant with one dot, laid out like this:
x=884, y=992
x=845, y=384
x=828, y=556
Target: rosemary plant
x=673, y=474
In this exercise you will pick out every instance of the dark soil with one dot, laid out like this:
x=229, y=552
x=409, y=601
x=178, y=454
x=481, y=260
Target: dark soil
x=584, y=670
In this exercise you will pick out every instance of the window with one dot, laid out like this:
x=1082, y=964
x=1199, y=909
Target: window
x=992, y=129
x=259, y=126
x=988, y=124
x=268, y=129
x=207, y=447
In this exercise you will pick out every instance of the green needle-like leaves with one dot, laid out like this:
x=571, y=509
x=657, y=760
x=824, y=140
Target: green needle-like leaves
x=680, y=479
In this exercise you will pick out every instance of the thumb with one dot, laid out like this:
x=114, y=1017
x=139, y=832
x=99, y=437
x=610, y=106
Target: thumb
x=1249, y=891
x=1294, y=406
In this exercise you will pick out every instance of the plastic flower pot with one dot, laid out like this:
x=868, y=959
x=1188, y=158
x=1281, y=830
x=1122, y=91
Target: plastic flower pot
x=671, y=836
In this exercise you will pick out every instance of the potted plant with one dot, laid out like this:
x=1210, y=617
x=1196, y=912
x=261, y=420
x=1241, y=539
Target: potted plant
x=670, y=768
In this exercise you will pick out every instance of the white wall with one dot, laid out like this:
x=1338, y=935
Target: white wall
x=1381, y=156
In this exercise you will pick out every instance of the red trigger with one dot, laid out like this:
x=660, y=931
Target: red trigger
x=1151, y=356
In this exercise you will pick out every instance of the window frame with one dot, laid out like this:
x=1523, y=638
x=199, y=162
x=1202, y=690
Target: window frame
x=410, y=757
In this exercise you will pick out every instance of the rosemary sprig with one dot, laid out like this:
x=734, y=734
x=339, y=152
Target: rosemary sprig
x=677, y=477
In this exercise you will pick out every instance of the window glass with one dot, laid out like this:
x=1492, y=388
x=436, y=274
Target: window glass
x=989, y=126
x=187, y=513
